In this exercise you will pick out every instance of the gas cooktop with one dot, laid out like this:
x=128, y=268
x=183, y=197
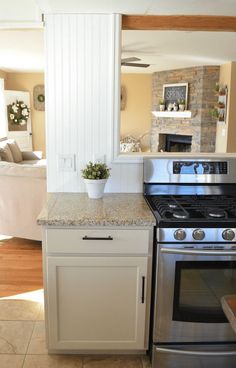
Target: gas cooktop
x=192, y=209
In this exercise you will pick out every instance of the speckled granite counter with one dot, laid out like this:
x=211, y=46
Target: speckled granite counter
x=115, y=209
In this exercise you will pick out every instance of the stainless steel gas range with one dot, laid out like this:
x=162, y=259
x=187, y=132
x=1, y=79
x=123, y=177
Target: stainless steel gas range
x=194, y=202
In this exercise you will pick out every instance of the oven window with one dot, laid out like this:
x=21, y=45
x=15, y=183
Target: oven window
x=199, y=286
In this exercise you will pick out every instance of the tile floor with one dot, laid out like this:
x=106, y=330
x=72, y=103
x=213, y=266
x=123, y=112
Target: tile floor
x=22, y=339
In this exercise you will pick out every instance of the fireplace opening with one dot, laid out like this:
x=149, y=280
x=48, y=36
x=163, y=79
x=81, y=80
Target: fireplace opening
x=175, y=143
x=178, y=143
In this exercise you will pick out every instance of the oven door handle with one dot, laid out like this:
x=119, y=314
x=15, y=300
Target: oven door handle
x=198, y=252
x=193, y=352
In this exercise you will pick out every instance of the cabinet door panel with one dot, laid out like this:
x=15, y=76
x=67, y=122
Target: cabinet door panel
x=96, y=302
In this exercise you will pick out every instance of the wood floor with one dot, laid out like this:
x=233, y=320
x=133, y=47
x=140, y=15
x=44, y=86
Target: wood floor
x=20, y=266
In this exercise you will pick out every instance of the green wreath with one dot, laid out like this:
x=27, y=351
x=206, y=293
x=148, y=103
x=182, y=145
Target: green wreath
x=18, y=113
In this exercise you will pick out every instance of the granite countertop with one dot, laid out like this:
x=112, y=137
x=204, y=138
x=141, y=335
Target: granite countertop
x=115, y=209
x=229, y=307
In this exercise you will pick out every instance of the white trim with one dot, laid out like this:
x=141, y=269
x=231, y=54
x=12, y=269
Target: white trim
x=129, y=158
x=138, y=158
x=173, y=114
x=116, y=86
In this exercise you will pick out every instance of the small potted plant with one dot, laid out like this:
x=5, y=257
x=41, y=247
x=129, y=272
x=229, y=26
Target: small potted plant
x=220, y=105
x=95, y=178
x=181, y=105
x=214, y=113
x=222, y=91
x=162, y=105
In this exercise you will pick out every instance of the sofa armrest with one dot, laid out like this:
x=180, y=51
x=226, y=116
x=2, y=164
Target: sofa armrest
x=32, y=155
x=17, y=170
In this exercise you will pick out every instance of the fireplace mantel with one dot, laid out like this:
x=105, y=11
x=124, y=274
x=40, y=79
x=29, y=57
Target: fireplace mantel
x=173, y=114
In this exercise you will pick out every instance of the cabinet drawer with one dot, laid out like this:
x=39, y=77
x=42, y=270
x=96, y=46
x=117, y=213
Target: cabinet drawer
x=97, y=241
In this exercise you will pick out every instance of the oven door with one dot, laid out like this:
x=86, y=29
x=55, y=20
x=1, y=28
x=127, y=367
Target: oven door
x=189, y=287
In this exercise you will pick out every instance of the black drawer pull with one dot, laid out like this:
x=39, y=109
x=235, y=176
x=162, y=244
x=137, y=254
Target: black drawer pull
x=143, y=289
x=96, y=238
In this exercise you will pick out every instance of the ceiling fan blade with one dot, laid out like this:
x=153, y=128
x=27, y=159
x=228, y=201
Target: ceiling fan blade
x=136, y=65
x=130, y=59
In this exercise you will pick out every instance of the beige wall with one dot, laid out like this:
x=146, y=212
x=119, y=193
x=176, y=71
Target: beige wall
x=226, y=133
x=26, y=82
x=136, y=118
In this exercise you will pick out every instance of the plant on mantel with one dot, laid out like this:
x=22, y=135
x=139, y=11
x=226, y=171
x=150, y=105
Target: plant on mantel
x=162, y=104
x=182, y=104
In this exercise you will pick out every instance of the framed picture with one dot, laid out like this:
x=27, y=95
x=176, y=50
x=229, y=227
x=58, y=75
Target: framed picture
x=174, y=93
x=39, y=97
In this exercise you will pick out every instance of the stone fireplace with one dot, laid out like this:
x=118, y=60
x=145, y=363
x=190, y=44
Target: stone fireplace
x=201, y=99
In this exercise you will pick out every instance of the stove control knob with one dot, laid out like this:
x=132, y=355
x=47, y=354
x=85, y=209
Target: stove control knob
x=228, y=234
x=198, y=234
x=179, y=234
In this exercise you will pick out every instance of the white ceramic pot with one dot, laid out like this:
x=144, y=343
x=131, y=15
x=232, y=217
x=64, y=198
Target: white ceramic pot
x=162, y=107
x=95, y=188
x=181, y=107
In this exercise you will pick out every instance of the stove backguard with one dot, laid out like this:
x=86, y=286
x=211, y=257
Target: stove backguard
x=194, y=170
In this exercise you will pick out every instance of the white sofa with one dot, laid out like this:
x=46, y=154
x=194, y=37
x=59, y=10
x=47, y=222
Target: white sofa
x=22, y=196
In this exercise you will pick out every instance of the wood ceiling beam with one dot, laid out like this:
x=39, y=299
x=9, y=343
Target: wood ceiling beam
x=211, y=23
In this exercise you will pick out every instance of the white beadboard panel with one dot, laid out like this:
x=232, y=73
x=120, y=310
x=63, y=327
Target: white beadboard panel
x=82, y=104
x=80, y=92
x=125, y=178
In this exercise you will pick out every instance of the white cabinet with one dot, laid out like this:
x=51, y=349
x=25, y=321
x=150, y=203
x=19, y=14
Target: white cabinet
x=97, y=302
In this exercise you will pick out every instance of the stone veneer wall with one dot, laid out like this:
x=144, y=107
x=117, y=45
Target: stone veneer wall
x=201, y=99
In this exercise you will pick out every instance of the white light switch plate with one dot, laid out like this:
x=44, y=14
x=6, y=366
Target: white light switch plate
x=66, y=162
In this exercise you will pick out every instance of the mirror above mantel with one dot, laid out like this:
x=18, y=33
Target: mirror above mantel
x=206, y=62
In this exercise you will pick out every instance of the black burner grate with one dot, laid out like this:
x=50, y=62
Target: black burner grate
x=190, y=207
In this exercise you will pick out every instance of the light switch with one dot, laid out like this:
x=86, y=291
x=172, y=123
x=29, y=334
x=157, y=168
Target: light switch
x=66, y=162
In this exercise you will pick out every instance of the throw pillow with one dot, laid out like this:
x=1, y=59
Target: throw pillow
x=5, y=152
x=15, y=150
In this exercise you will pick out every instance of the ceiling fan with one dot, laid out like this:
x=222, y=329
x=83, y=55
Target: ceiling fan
x=129, y=62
